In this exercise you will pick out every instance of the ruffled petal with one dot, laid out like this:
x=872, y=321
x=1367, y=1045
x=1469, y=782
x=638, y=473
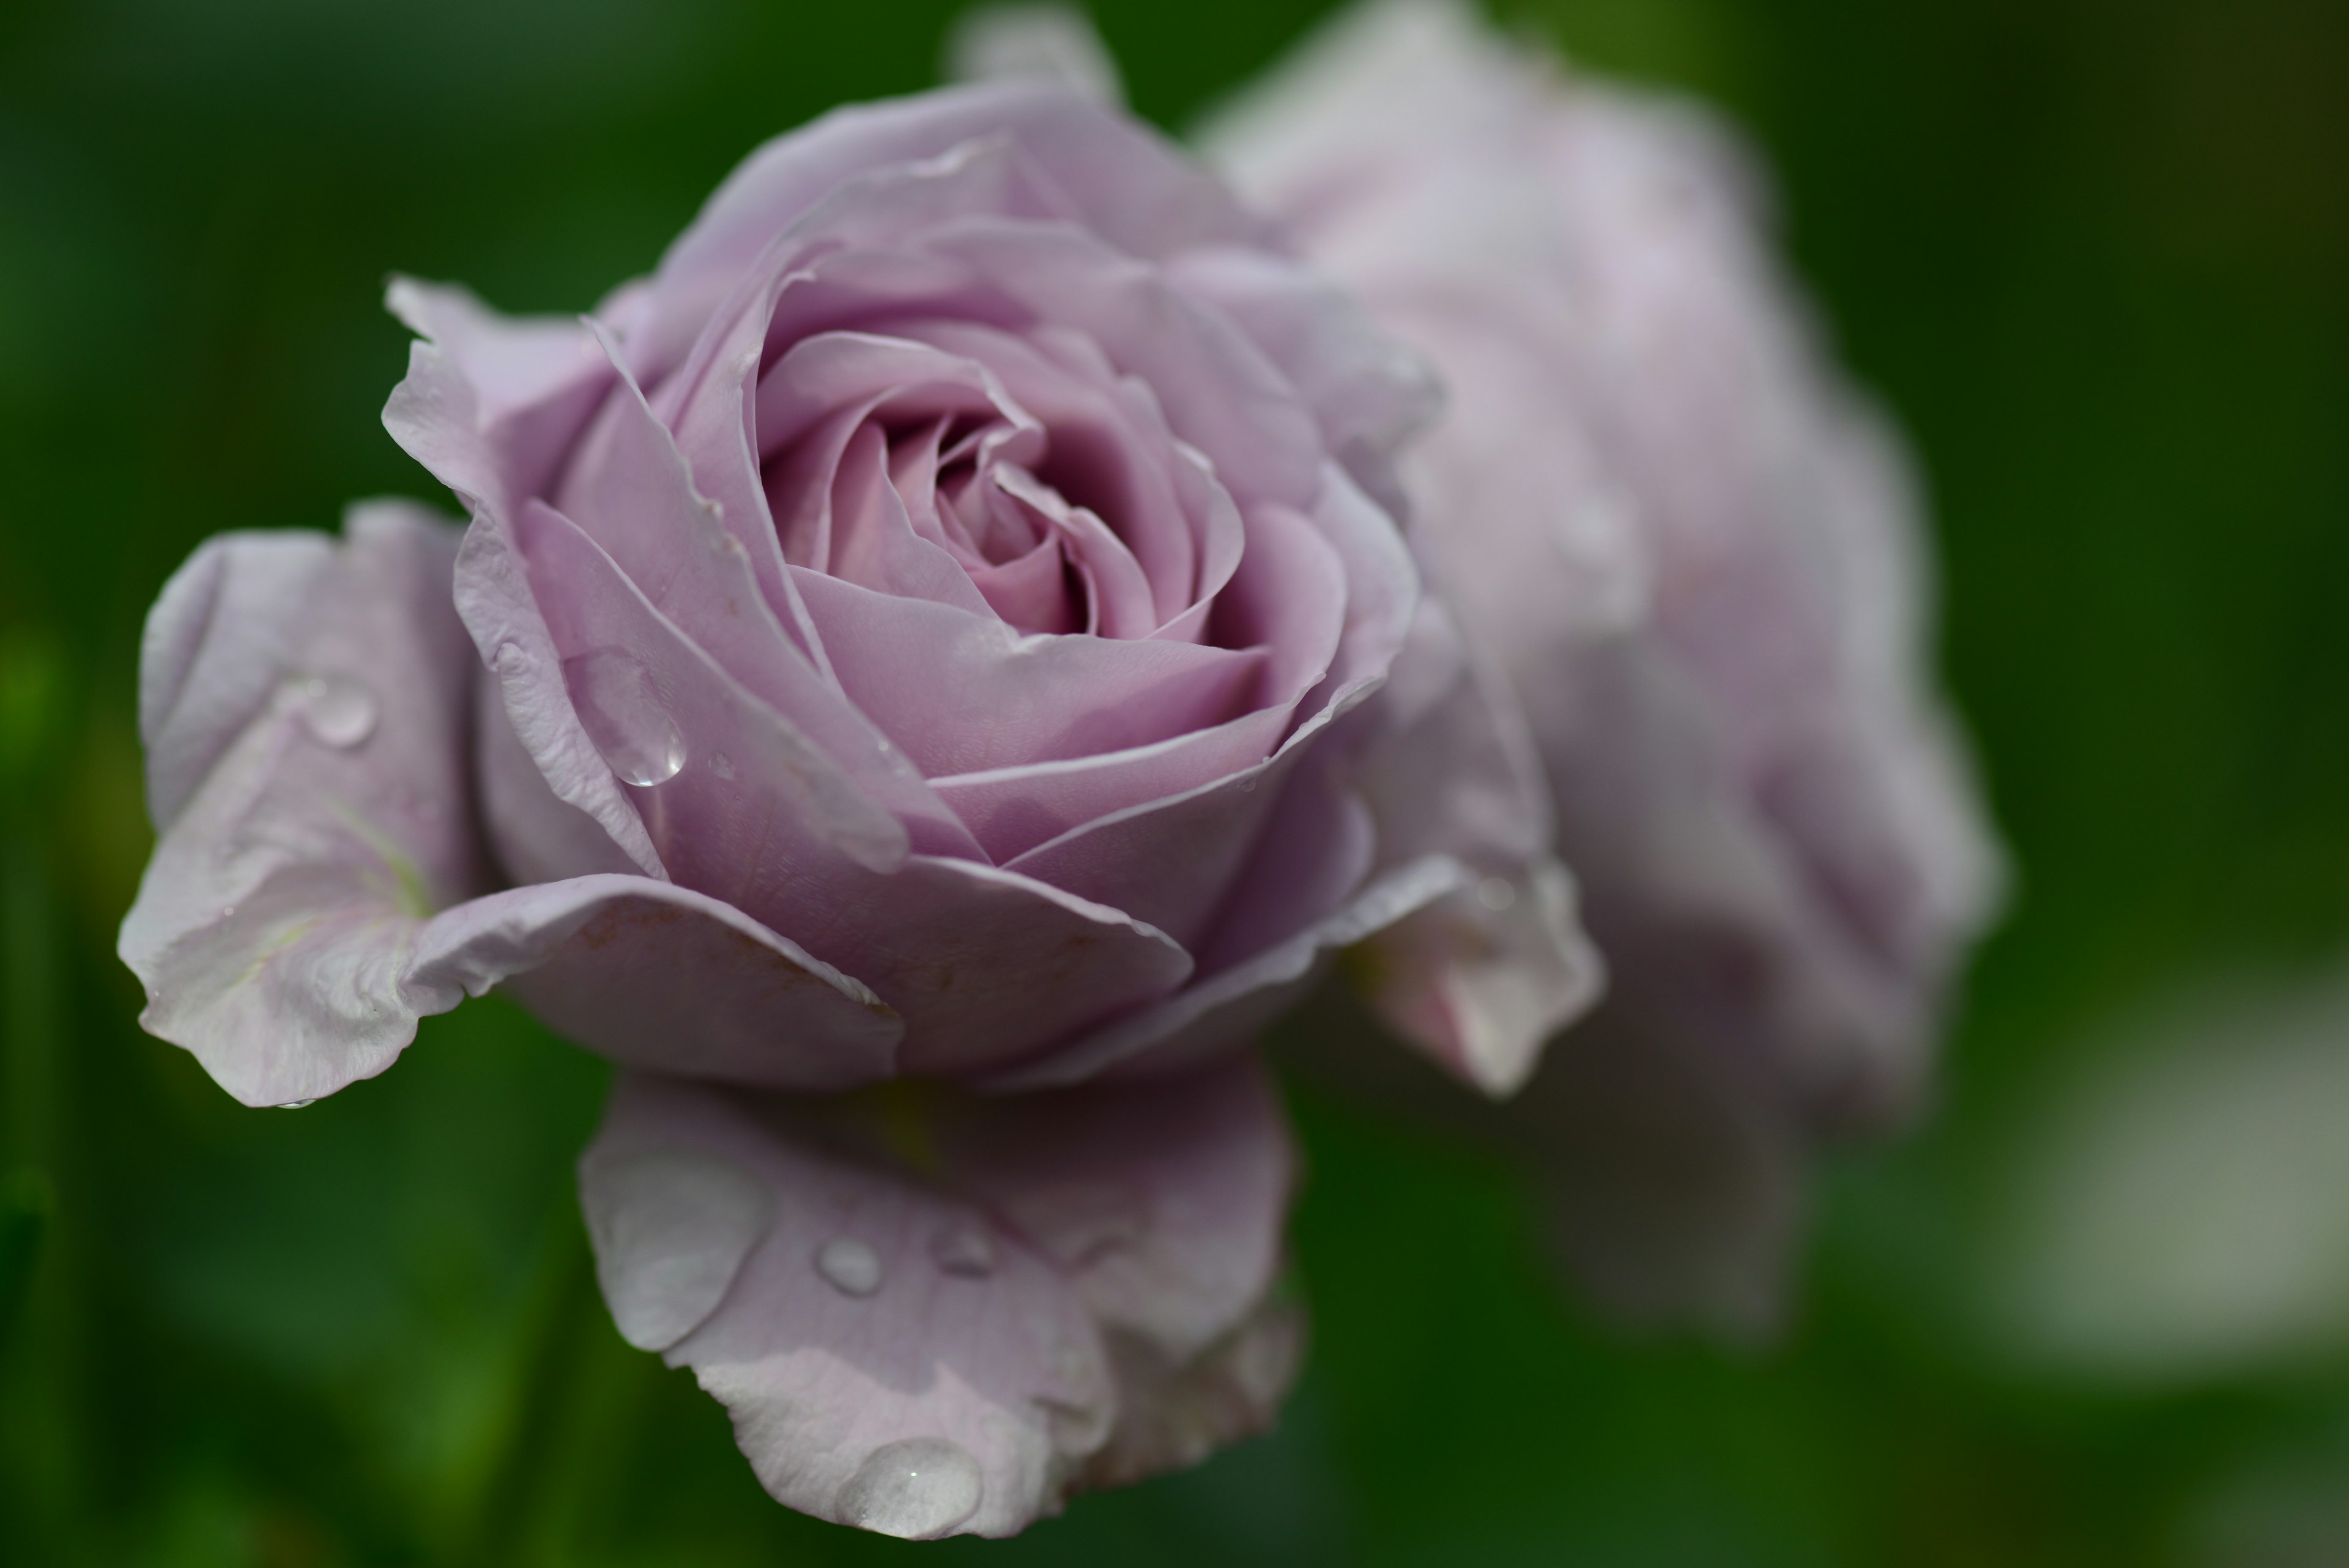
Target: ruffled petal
x=220, y=637
x=918, y=1306
x=657, y=975
x=1225, y=1009
x=1483, y=978
x=273, y=927
x=1128, y=183
x=286, y=930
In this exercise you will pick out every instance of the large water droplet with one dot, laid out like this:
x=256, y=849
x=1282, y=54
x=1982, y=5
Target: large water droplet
x=963, y=1249
x=851, y=1265
x=621, y=708
x=914, y=1489
x=341, y=714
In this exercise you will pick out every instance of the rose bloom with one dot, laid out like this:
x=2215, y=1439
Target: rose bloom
x=1698, y=556
x=907, y=695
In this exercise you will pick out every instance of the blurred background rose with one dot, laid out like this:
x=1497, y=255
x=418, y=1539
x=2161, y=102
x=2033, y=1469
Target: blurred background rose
x=2095, y=257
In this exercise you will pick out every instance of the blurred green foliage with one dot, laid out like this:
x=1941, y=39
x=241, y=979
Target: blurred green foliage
x=2096, y=254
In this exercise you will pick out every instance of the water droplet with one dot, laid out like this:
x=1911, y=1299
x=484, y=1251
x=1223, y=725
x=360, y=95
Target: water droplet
x=338, y=713
x=620, y=706
x=850, y=1265
x=965, y=1249
x=721, y=764
x=1247, y=784
x=299, y=1104
x=1496, y=893
x=914, y=1489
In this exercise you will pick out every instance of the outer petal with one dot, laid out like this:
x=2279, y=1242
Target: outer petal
x=1483, y=978
x=273, y=926
x=285, y=929
x=1131, y=186
x=217, y=643
x=653, y=974
x=491, y=404
x=903, y=1298
x=1217, y=1013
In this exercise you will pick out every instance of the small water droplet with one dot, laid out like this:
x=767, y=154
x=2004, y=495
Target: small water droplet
x=620, y=707
x=1247, y=784
x=299, y=1104
x=1496, y=893
x=338, y=713
x=228, y=911
x=721, y=764
x=965, y=1249
x=851, y=1266
x=912, y=1489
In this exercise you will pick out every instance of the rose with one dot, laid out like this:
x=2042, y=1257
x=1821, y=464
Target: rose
x=1697, y=556
x=926, y=631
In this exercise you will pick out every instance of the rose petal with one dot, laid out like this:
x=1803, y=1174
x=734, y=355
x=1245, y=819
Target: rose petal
x=491, y=403
x=981, y=962
x=839, y=1340
x=218, y=641
x=912, y=1303
x=287, y=929
x=271, y=928
x=963, y=693
x=1129, y=184
x=636, y=500
x=1481, y=980
x=657, y=975
x=1216, y=1013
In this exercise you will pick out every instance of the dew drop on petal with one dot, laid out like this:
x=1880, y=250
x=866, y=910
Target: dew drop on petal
x=965, y=1249
x=620, y=707
x=1495, y=893
x=849, y=1265
x=299, y=1104
x=914, y=1489
x=722, y=765
x=337, y=711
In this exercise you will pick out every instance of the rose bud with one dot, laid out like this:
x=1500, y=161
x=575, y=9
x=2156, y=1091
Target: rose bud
x=1697, y=556
x=900, y=695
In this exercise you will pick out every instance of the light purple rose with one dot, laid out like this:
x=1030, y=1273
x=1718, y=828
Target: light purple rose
x=918, y=646
x=1697, y=556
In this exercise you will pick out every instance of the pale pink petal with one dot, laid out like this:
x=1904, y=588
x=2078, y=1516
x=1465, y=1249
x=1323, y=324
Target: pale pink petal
x=220, y=637
x=932, y=1315
x=491, y=403
x=634, y=498
x=1483, y=978
x=963, y=692
x=273, y=927
x=1128, y=185
x=655, y=975
x=1213, y=1015
x=288, y=930
x=981, y=962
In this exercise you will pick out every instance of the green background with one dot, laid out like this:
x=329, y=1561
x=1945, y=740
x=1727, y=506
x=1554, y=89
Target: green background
x=2095, y=253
